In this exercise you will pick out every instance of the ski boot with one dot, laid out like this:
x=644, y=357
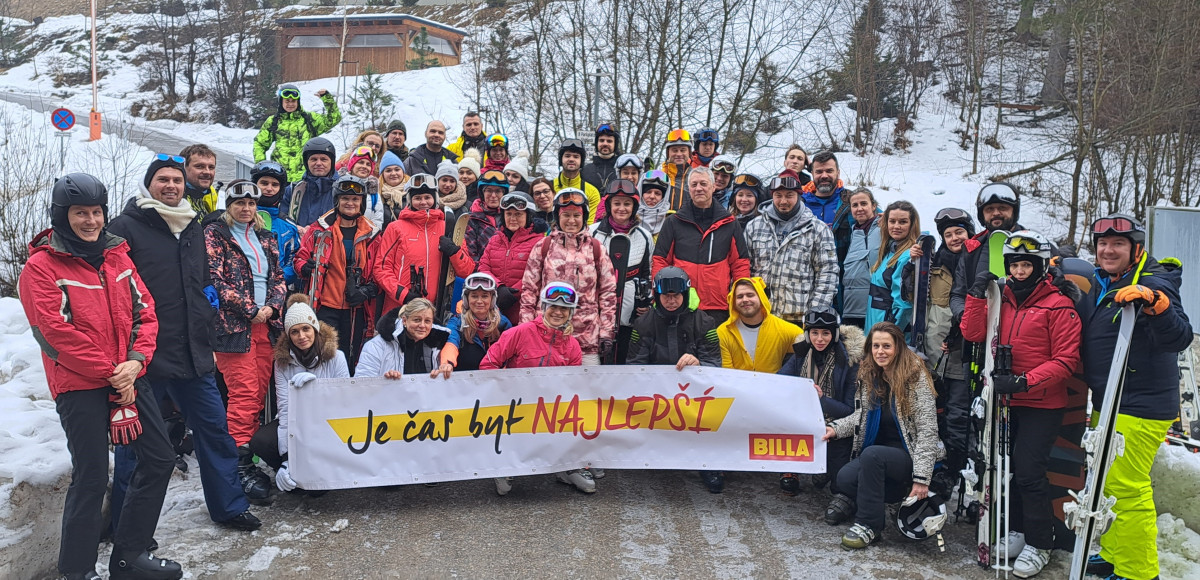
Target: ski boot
x=143, y=567
x=254, y=482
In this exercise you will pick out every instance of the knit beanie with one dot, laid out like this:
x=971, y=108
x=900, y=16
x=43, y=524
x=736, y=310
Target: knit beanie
x=446, y=168
x=519, y=164
x=299, y=312
x=160, y=164
x=396, y=125
x=389, y=159
x=470, y=160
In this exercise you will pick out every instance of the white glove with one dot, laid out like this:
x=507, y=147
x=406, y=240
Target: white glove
x=301, y=379
x=283, y=479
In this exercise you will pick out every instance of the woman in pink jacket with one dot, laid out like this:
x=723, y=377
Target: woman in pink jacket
x=545, y=341
x=507, y=253
x=571, y=254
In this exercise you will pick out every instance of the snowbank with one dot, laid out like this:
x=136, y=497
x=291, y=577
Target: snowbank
x=1176, y=477
x=1178, y=549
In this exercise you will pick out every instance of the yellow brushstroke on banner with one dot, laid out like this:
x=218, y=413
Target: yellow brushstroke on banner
x=582, y=417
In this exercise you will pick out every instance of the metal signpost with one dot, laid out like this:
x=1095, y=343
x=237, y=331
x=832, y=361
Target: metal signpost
x=63, y=120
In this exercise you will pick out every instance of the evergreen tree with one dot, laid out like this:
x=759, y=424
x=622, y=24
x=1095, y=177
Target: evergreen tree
x=424, y=52
x=501, y=61
x=371, y=106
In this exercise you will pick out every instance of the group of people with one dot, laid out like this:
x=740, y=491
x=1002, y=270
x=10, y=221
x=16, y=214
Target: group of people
x=327, y=267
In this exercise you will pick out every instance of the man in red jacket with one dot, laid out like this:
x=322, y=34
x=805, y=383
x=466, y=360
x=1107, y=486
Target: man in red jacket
x=705, y=241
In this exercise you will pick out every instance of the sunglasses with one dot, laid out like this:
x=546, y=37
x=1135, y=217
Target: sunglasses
x=785, y=182
x=724, y=167
x=997, y=192
x=708, y=135
x=513, y=201
x=1116, y=225
x=679, y=135
x=746, y=179
x=480, y=282
x=560, y=295
x=498, y=140
x=570, y=197
x=166, y=157
x=1023, y=243
x=290, y=93
x=243, y=190
x=351, y=187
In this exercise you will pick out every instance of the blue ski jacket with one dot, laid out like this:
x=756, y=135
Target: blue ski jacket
x=1152, y=375
x=289, y=243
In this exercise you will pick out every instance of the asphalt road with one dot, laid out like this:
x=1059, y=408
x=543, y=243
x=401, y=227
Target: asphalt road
x=640, y=524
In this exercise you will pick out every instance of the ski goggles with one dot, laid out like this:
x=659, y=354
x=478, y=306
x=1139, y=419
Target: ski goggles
x=572, y=145
x=622, y=187
x=493, y=178
x=707, y=134
x=678, y=135
x=347, y=186
x=1026, y=244
x=951, y=214
x=655, y=175
x=821, y=319
x=498, y=140
x=747, y=180
x=606, y=129
x=784, y=182
x=421, y=183
x=724, y=167
x=243, y=190
x=515, y=201
x=629, y=162
x=167, y=157
x=1115, y=225
x=671, y=286
x=479, y=281
x=560, y=295
x=997, y=193
x=268, y=167
x=364, y=151
x=570, y=196
x=289, y=93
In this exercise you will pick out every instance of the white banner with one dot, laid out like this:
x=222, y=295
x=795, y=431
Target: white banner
x=370, y=432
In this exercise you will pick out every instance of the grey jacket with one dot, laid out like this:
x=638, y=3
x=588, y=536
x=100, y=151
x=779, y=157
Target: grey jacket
x=856, y=270
x=797, y=259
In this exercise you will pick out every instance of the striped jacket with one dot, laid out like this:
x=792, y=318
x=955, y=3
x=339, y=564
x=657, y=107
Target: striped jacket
x=797, y=259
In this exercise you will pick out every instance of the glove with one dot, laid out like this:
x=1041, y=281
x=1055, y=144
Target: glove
x=1153, y=302
x=306, y=271
x=357, y=294
x=979, y=288
x=1010, y=384
x=506, y=297
x=301, y=379
x=283, y=479
x=606, y=348
x=124, y=425
x=447, y=246
x=213, y=299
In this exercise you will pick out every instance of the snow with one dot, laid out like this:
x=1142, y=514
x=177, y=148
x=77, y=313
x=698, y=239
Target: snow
x=32, y=445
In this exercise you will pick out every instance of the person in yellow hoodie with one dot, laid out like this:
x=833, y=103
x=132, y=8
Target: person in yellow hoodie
x=752, y=339
x=570, y=160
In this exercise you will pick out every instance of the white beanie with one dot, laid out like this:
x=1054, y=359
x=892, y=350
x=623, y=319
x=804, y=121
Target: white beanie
x=470, y=161
x=520, y=164
x=447, y=168
x=299, y=312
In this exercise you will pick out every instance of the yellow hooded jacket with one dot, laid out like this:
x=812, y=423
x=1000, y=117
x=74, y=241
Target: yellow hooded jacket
x=775, y=336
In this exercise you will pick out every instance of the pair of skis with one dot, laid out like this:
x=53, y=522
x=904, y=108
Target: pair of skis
x=618, y=252
x=443, y=309
x=920, y=300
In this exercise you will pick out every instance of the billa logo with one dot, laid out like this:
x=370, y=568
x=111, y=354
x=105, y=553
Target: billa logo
x=781, y=447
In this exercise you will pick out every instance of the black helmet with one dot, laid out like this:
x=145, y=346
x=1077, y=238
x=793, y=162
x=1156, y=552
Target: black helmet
x=1124, y=225
x=318, y=145
x=610, y=129
x=79, y=189
x=826, y=319
x=672, y=280
x=921, y=518
x=269, y=168
x=349, y=185
x=999, y=192
x=953, y=217
x=574, y=145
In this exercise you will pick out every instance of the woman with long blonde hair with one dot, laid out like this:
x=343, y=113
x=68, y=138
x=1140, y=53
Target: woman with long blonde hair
x=892, y=273
x=895, y=432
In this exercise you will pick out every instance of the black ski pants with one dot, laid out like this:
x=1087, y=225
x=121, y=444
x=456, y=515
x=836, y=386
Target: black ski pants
x=85, y=419
x=265, y=444
x=878, y=476
x=837, y=455
x=958, y=423
x=1033, y=434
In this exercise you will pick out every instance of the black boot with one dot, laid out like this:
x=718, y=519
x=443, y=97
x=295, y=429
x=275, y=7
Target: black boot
x=841, y=508
x=89, y=575
x=254, y=482
x=244, y=521
x=143, y=567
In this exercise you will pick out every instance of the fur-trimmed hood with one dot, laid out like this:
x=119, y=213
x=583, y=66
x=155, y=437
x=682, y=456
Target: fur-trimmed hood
x=851, y=339
x=329, y=344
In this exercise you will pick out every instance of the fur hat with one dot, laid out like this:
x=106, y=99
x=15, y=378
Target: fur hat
x=519, y=164
x=299, y=311
x=470, y=160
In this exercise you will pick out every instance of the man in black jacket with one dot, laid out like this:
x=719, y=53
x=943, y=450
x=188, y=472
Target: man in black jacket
x=426, y=157
x=166, y=243
x=603, y=168
x=999, y=208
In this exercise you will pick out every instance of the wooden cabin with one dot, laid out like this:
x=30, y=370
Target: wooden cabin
x=311, y=47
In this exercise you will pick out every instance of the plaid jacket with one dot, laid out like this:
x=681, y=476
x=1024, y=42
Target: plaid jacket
x=797, y=259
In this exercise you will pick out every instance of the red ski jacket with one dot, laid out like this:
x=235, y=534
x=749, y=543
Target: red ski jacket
x=412, y=240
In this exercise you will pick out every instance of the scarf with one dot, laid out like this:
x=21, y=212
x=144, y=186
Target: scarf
x=618, y=228
x=818, y=366
x=177, y=218
x=308, y=358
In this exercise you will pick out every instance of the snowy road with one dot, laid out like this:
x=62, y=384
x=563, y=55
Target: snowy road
x=653, y=524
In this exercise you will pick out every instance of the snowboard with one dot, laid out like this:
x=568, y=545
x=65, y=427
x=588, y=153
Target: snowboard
x=618, y=253
x=920, y=298
x=1091, y=512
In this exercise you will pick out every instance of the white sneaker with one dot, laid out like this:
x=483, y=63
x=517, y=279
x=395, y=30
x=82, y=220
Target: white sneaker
x=1015, y=543
x=580, y=478
x=597, y=473
x=503, y=485
x=1030, y=562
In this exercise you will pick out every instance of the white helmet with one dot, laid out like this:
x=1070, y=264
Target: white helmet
x=921, y=518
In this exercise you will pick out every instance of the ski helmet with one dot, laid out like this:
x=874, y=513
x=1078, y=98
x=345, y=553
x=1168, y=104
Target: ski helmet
x=420, y=184
x=952, y=217
x=629, y=160
x=999, y=192
x=349, y=185
x=559, y=294
x=1029, y=244
x=678, y=137
x=318, y=145
x=573, y=146
x=826, y=319
x=655, y=179
x=520, y=201
x=621, y=188
x=672, y=280
x=708, y=134
x=79, y=189
x=492, y=178
x=569, y=197
x=480, y=281
x=269, y=169
x=610, y=130
x=1124, y=225
x=921, y=518
x=288, y=91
